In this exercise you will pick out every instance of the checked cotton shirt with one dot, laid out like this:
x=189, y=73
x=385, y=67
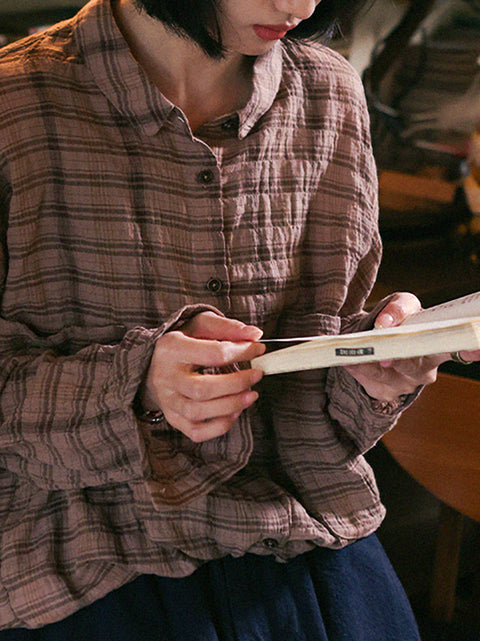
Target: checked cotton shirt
x=117, y=224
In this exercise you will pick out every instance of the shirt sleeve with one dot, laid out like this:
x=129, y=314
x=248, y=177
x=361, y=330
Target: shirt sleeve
x=67, y=420
x=364, y=419
x=67, y=412
x=360, y=416
x=354, y=245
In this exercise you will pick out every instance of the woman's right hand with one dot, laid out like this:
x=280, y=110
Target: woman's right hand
x=201, y=405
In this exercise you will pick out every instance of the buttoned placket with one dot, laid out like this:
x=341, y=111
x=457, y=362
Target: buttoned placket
x=214, y=277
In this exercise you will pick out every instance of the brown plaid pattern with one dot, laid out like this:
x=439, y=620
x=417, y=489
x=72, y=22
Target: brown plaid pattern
x=117, y=224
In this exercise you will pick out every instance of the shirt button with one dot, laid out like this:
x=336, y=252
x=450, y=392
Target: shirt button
x=205, y=177
x=214, y=285
x=270, y=543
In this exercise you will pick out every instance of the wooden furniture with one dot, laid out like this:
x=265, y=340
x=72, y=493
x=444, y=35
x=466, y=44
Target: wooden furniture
x=437, y=441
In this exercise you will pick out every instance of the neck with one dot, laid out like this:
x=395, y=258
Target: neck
x=203, y=87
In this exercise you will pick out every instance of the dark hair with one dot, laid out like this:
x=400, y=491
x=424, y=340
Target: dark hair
x=198, y=20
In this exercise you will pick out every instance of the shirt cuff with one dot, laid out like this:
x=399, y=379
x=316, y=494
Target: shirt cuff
x=390, y=408
x=178, y=471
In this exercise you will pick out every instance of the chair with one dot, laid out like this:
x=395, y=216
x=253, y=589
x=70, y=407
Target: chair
x=437, y=441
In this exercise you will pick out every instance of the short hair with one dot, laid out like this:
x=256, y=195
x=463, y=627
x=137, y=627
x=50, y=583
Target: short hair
x=198, y=20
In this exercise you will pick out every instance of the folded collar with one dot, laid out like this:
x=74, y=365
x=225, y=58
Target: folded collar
x=124, y=83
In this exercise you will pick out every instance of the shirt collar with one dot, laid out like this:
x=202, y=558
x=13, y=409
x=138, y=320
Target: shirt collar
x=267, y=73
x=127, y=87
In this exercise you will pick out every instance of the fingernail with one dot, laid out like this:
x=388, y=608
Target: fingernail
x=250, y=397
x=384, y=320
x=257, y=375
x=254, y=333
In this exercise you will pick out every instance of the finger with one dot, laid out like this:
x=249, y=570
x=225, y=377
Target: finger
x=204, y=431
x=384, y=384
x=468, y=356
x=212, y=326
x=403, y=377
x=418, y=371
x=401, y=306
x=178, y=347
x=204, y=387
x=197, y=412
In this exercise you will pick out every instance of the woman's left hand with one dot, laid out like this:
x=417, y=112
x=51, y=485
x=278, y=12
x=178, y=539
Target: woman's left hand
x=387, y=380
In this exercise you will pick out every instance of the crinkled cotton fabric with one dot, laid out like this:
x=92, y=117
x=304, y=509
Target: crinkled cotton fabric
x=117, y=224
x=351, y=594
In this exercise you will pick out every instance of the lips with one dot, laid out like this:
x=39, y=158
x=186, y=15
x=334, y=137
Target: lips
x=270, y=31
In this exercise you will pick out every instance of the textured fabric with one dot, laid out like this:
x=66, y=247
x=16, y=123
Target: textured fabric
x=117, y=224
x=351, y=594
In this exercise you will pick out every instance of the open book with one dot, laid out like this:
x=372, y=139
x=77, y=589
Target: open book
x=449, y=327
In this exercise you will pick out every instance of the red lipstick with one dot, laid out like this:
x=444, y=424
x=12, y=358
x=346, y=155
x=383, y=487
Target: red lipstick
x=271, y=31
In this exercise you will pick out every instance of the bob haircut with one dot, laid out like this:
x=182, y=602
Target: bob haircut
x=198, y=20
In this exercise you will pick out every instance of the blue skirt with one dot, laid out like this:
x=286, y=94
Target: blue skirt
x=352, y=594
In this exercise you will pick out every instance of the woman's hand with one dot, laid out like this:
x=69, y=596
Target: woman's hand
x=386, y=381
x=202, y=405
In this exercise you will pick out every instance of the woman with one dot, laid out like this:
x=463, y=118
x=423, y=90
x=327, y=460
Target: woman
x=177, y=178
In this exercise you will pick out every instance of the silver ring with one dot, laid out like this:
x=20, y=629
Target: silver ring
x=457, y=358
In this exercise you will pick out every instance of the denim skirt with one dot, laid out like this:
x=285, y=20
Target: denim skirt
x=352, y=594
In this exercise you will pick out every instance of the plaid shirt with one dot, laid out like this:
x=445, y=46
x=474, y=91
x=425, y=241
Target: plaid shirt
x=118, y=224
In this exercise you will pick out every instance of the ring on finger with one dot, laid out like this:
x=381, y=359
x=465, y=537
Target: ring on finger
x=458, y=358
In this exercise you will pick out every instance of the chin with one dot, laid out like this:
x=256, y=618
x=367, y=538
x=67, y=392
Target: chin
x=256, y=49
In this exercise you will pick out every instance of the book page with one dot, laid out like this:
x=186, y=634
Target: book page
x=464, y=307
x=457, y=309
